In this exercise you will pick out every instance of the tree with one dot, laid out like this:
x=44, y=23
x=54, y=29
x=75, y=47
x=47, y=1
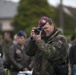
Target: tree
x=29, y=13
x=69, y=21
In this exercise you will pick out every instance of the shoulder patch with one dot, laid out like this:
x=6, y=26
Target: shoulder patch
x=18, y=51
x=58, y=43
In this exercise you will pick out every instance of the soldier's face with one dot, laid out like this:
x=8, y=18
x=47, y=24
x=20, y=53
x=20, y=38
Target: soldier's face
x=48, y=28
x=20, y=40
x=6, y=36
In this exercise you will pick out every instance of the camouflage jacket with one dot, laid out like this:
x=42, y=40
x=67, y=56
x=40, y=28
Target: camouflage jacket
x=48, y=51
x=5, y=46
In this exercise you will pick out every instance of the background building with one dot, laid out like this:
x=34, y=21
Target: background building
x=8, y=10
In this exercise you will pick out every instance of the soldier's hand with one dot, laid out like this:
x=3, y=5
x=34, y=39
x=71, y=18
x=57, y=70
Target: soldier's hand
x=25, y=69
x=32, y=31
x=34, y=36
x=37, y=37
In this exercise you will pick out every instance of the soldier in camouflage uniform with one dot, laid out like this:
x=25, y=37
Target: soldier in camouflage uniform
x=7, y=42
x=48, y=50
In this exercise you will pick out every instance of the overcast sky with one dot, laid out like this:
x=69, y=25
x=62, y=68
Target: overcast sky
x=65, y=2
x=56, y=2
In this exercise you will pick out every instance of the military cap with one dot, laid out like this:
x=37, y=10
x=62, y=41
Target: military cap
x=43, y=21
x=21, y=33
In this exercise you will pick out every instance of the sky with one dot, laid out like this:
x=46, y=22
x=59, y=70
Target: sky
x=65, y=2
x=56, y=2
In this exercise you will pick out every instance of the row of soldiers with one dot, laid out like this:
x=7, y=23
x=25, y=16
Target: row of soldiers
x=45, y=52
x=5, y=43
x=8, y=42
x=13, y=54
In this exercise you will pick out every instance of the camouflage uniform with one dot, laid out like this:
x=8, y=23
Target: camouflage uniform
x=48, y=52
x=5, y=46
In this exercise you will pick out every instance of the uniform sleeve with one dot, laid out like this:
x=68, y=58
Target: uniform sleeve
x=31, y=48
x=12, y=58
x=31, y=63
x=71, y=56
x=54, y=50
x=1, y=50
x=1, y=66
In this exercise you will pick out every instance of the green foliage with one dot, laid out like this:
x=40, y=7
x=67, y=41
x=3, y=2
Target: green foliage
x=29, y=13
x=69, y=22
x=69, y=32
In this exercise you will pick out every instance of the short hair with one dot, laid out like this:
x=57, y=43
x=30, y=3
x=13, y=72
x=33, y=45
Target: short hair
x=73, y=37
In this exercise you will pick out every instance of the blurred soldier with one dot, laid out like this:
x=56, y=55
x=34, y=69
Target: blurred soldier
x=1, y=39
x=2, y=71
x=19, y=60
x=15, y=39
x=49, y=47
x=73, y=41
x=5, y=45
x=72, y=55
x=1, y=50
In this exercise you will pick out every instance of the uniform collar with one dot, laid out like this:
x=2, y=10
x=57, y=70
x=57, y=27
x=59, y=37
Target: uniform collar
x=54, y=34
x=20, y=47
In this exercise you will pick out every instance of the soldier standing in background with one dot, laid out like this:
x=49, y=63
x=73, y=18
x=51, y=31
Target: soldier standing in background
x=2, y=71
x=49, y=50
x=1, y=39
x=72, y=41
x=18, y=59
x=72, y=55
x=1, y=49
x=5, y=45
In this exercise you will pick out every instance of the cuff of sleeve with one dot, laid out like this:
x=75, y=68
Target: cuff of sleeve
x=39, y=41
x=21, y=68
x=40, y=44
x=29, y=68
